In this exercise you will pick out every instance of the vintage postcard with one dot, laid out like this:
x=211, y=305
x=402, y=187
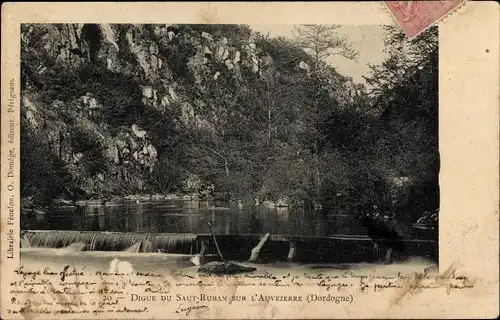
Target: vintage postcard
x=250, y=160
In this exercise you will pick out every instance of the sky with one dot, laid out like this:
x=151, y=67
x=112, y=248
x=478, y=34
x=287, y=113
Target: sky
x=367, y=40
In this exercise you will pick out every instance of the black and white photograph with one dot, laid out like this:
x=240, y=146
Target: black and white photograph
x=228, y=148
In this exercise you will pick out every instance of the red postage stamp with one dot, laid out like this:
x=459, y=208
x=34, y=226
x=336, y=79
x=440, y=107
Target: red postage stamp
x=416, y=16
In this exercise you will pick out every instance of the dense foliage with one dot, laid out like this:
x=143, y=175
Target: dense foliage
x=295, y=130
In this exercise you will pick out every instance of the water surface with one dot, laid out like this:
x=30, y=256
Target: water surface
x=183, y=216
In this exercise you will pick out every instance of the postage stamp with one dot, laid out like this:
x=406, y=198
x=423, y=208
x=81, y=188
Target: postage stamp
x=200, y=161
x=416, y=16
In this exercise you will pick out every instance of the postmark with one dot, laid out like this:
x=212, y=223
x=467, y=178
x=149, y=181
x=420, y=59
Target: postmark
x=414, y=17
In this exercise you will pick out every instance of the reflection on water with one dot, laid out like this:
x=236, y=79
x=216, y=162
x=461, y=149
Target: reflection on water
x=179, y=216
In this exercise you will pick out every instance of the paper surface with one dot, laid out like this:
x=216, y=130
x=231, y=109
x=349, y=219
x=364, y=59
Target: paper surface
x=468, y=223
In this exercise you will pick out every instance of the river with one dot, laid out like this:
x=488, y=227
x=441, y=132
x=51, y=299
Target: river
x=192, y=216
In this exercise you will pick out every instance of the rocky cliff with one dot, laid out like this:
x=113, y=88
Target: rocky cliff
x=110, y=100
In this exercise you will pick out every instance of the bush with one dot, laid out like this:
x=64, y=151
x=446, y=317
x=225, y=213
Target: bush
x=166, y=176
x=43, y=177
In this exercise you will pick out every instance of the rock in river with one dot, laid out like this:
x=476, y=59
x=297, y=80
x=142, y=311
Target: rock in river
x=227, y=267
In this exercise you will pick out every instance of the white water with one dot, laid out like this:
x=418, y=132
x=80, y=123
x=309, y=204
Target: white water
x=161, y=263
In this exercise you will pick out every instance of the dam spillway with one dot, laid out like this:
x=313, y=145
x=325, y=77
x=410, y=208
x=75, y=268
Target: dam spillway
x=239, y=247
x=112, y=241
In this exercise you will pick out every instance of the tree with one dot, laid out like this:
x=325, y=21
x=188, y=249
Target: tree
x=321, y=41
x=405, y=130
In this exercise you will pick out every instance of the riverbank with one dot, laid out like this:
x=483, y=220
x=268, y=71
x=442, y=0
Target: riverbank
x=27, y=204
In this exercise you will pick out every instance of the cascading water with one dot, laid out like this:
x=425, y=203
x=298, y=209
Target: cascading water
x=110, y=241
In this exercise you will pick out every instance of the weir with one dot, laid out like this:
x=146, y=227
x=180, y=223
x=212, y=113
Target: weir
x=113, y=241
x=337, y=248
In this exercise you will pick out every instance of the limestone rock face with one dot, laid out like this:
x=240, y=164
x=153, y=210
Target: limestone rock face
x=89, y=87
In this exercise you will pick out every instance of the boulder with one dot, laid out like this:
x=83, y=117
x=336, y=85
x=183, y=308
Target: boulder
x=227, y=267
x=109, y=35
x=165, y=101
x=172, y=93
x=229, y=64
x=220, y=53
x=147, y=91
x=39, y=212
x=138, y=131
x=237, y=57
x=283, y=202
x=63, y=202
x=206, y=36
x=158, y=197
x=225, y=55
